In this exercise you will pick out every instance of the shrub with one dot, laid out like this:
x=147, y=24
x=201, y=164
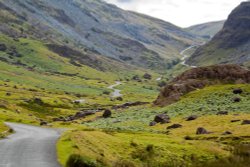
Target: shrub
x=76, y=160
x=240, y=157
x=145, y=154
x=105, y=92
x=123, y=163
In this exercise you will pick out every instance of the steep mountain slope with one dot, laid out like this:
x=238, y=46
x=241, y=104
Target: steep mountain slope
x=206, y=30
x=96, y=26
x=231, y=44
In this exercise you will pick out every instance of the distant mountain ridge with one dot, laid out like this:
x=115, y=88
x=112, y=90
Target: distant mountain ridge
x=206, y=30
x=98, y=27
x=231, y=44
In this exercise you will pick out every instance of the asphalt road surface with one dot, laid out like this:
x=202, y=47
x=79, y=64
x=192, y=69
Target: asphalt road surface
x=116, y=92
x=29, y=146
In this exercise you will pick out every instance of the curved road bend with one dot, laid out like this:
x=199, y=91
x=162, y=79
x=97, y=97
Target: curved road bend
x=116, y=92
x=29, y=146
x=184, y=56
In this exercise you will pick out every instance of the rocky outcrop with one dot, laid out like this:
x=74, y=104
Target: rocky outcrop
x=198, y=78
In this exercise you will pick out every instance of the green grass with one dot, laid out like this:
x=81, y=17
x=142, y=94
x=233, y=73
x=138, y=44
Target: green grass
x=207, y=101
x=139, y=149
x=125, y=136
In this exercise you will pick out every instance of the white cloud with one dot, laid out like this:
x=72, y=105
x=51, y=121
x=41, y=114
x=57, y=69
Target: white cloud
x=181, y=12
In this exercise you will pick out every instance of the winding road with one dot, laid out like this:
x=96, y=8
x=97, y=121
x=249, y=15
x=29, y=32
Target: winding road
x=116, y=92
x=29, y=146
x=185, y=56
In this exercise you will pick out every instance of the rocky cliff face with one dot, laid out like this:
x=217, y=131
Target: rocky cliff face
x=198, y=78
x=94, y=25
x=231, y=44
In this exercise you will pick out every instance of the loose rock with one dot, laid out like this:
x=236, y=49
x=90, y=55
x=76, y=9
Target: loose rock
x=201, y=130
x=192, y=117
x=153, y=123
x=147, y=76
x=237, y=91
x=236, y=99
x=162, y=118
x=107, y=114
x=174, y=126
x=43, y=123
x=245, y=122
x=235, y=120
x=227, y=133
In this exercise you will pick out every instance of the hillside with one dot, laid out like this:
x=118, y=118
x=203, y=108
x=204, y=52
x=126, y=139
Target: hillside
x=231, y=44
x=96, y=27
x=148, y=135
x=206, y=30
x=109, y=82
x=198, y=78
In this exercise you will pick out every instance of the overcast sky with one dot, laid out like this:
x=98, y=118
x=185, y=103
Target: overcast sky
x=181, y=12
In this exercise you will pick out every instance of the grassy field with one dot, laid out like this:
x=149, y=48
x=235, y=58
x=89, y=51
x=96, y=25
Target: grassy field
x=126, y=136
x=138, y=149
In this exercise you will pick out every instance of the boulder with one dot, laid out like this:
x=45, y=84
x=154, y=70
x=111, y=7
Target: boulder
x=43, y=123
x=235, y=120
x=222, y=113
x=82, y=114
x=237, y=91
x=174, y=126
x=236, y=99
x=201, y=130
x=107, y=114
x=227, y=133
x=192, y=117
x=136, y=77
x=245, y=122
x=147, y=76
x=162, y=118
x=153, y=123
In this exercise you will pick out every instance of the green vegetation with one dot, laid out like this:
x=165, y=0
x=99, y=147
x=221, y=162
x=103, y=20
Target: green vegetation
x=207, y=101
x=126, y=137
x=146, y=149
x=49, y=75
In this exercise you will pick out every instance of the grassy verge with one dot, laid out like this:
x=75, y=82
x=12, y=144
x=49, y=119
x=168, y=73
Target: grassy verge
x=138, y=149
